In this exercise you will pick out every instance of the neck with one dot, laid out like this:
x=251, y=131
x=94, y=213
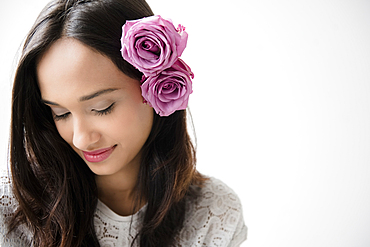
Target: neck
x=118, y=191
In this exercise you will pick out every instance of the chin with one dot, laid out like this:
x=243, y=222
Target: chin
x=106, y=168
x=100, y=171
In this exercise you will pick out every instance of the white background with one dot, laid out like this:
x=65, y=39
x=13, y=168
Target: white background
x=280, y=106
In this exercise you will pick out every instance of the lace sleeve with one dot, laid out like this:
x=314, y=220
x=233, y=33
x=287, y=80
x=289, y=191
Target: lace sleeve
x=214, y=219
x=8, y=204
x=240, y=234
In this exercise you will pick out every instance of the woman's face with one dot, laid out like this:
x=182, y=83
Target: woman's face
x=97, y=109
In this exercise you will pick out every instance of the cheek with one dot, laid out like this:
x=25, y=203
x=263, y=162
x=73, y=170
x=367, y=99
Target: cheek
x=134, y=123
x=146, y=121
x=135, y=116
x=131, y=125
x=64, y=131
x=145, y=118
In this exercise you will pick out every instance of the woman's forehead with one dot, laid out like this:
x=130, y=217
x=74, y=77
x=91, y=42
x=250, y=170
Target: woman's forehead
x=70, y=58
x=70, y=67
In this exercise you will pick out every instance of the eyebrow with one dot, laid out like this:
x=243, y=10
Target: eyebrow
x=86, y=97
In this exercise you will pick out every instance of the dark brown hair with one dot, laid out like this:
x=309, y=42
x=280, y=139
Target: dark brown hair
x=49, y=177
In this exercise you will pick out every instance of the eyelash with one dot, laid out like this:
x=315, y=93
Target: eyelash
x=98, y=113
x=106, y=110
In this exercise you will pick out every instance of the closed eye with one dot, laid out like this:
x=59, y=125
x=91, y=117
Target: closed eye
x=61, y=117
x=105, y=111
x=97, y=112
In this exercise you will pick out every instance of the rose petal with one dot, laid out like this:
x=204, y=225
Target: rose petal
x=170, y=41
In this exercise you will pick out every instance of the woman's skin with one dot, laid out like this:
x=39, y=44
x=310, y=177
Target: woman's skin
x=96, y=106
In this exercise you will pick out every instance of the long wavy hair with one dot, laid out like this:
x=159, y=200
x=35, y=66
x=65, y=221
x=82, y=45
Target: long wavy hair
x=49, y=177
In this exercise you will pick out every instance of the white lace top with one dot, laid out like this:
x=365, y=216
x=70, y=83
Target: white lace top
x=214, y=219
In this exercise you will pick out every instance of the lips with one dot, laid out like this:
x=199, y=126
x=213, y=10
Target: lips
x=98, y=155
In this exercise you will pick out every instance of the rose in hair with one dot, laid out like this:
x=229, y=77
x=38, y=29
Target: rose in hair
x=152, y=44
x=169, y=91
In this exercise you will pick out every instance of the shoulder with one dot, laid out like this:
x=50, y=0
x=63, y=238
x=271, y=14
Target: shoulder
x=8, y=205
x=217, y=196
x=214, y=217
x=7, y=200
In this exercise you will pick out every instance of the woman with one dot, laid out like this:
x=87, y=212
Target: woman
x=99, y=152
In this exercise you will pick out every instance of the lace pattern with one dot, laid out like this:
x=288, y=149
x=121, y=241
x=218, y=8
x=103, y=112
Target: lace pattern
x=215, y=218
x=114, y=230
x=8, y=205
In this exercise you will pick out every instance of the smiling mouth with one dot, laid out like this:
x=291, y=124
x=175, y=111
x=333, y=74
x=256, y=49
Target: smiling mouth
x=98, y=155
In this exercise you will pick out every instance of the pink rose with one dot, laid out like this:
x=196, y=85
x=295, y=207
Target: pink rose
x=152, y=44
x=169, y=91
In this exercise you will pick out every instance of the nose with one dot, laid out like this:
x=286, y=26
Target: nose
x=84, y=134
